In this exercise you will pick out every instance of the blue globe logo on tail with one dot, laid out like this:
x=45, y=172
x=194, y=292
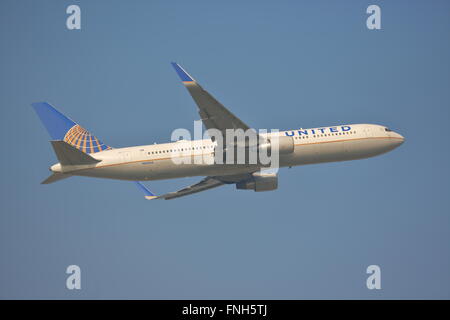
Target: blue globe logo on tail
x=61, y=127
x=81, y=139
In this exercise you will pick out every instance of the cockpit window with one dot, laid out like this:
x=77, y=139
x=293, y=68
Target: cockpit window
x=387, y=129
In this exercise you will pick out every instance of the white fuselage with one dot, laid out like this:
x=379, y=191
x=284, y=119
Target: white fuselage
x=188, y=158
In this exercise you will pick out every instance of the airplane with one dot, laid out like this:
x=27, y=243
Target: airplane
x=82, y=154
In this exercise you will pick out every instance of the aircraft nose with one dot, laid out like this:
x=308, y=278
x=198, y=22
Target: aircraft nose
x=398, y=138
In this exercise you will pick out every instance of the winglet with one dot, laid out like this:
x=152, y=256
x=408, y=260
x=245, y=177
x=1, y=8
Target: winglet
x=184, y=76
x=148, y=194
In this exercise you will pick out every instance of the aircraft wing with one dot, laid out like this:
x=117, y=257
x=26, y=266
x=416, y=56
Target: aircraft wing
x=205, y=184
x=212, y=112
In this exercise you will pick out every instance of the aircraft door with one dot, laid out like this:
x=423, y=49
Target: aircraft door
x=125, y=156
x=368, y=132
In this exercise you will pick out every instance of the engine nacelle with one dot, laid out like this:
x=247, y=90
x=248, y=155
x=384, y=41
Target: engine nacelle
x=259, y=182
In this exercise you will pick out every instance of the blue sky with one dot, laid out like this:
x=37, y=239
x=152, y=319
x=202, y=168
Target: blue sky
x=275, y=64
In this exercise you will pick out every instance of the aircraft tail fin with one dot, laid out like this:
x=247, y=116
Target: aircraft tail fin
x=67, y=154
x=56, y=176
x=62, y=128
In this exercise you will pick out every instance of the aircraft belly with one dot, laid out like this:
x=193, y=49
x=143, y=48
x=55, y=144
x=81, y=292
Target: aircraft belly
x=165, y=169
x=365, y=148
x=336, y=151
x=127, y=171
x=329, y=152
x=319, y=152
x=303, y=154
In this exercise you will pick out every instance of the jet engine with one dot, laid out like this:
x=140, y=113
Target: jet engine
x=259, y=182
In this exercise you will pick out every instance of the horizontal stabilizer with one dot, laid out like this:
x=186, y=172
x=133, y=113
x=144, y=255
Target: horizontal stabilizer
x=69, y=155
x=55, y=177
